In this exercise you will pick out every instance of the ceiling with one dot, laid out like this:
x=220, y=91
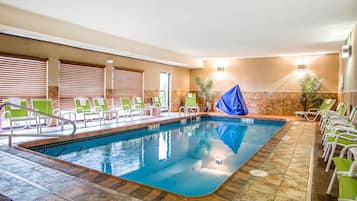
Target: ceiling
x=212, y=28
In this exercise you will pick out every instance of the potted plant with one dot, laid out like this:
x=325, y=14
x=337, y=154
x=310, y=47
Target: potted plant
x=204, y=92
x=310, y=86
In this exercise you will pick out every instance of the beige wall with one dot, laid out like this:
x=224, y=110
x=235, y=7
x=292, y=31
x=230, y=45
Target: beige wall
x=271, y=85
x=22, y=46
x=349, y=65
x=275, y=74
x=348, y=72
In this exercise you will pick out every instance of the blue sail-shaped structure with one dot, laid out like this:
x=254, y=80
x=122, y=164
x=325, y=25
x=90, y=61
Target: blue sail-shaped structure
x=232, y=135
x=232, y=102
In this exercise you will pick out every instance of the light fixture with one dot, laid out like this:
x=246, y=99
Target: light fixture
x=109, y=61
x=219, y=160
x=220, y=69
x=301, y=68
x=346, y=51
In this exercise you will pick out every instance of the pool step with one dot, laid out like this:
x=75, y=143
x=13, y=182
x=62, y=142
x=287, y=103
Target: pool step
x=155, y=126
x=247, y=120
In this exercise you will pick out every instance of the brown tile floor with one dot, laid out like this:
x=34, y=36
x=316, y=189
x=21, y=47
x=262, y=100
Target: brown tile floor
x=286, y=158
x=321, y=179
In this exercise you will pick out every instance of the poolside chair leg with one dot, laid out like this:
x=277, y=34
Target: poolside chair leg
x=332, y=181
x=333, y=148
x=38, y=122
x=326, y=152
x=100, y=120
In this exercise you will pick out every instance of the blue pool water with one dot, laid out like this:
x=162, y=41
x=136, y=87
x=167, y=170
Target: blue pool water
x=192, y=159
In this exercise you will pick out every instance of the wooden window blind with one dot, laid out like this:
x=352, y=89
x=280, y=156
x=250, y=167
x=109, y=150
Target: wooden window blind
x=127, y=83
x=22, y=77
x=79, y=80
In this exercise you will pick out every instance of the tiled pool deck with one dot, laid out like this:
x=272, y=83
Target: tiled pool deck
x=26, y=175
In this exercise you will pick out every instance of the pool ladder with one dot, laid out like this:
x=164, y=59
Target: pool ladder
x=38, y=115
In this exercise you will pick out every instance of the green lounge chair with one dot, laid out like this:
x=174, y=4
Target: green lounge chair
x=82, y=107
x=45, y=106
x=345, y=138
x=126, y=106
x=313, y=113
x=343, y=166
x=101, y=105
x=15, y=114
x=338, y=122
x=190, y=104
x=156, y=102
x=140, y=105
x=347, y=188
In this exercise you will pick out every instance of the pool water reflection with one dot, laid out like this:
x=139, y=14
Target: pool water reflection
x=190, y=160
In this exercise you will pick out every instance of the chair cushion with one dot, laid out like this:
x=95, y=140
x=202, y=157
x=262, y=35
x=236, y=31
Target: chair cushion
x=342, y=141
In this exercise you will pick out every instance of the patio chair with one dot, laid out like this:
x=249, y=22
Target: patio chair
x=338, y=121
x=346, y=137
x=15, y=114
x=140, y=105
x=127, y=107
x=340, y=112
x=347, y=187
x=344, y=166
x=316, y=112
x=101, y=105
x=190, y=104
x=45, y=106
x=156, y=102
x=82, y=107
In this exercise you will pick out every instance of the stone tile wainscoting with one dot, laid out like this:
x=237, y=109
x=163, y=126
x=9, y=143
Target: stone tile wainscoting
x=53, y=95
x=177, y=97
x=274, y=103
x=348, y=97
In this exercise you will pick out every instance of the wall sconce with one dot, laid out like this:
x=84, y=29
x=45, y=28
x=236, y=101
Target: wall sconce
x=346, y=51
x=301, y=68
x=220, y=69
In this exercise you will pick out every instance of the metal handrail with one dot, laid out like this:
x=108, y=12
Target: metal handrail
x=40, y=113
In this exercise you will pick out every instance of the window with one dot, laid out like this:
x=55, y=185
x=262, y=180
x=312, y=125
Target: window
x=79, y=80
x=22, y=77
x=165, y=89
x=164, y=145
x=127, y=83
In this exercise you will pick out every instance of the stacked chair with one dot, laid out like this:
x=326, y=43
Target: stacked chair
x=340, y=131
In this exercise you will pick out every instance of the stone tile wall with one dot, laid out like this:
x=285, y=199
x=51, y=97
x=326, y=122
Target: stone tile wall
x=177, y=97
x=349, y=98
x=275, y=103
x=53, y=95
